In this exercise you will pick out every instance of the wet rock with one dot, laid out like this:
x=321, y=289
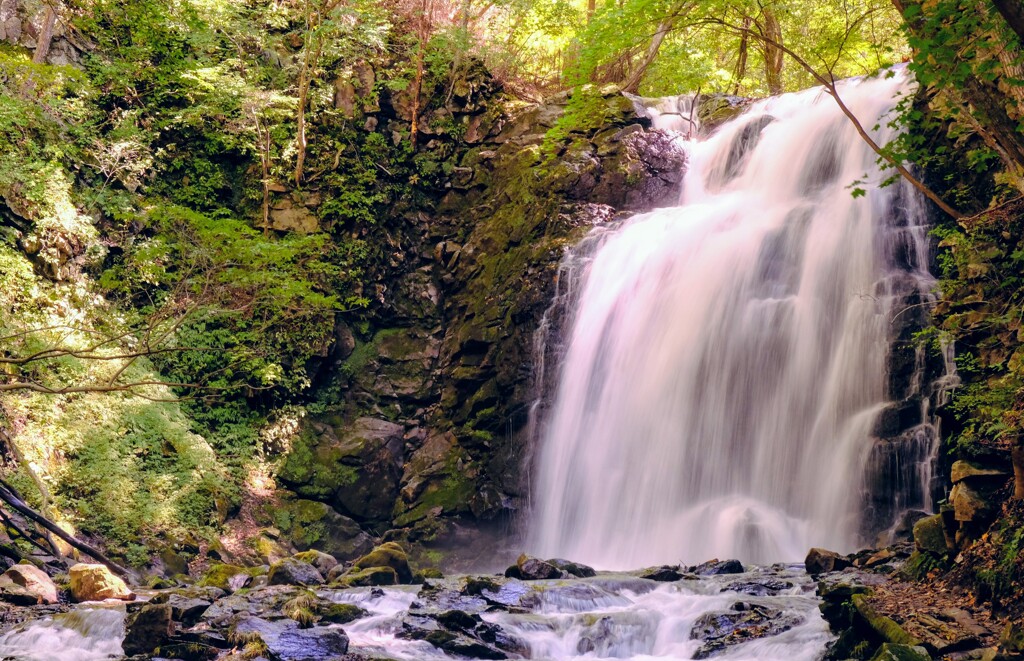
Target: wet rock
x=340, y=613
x=574, y=568
x=665, y=573
x=533, y=569
x=455, y=632
x=717, y=567
x=27, y=584
x=929, y=535
x=722, y=629
x=607, y=635
x=147, y=629
x=760, y=588
x=892, y=652
x=388, y=554
x=367, y=577
x=822, y=561
x=285, y=641
x=292, y=571
x=95, y=583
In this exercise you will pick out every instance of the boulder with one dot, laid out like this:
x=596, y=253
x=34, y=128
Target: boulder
x=367, y=577
x=665, y=573
x=532, y=569
x=291, y=571
x=340, y=613
x=388, y=554
x=822, y=561
x=322, y=561
x=147, y=629
x=186, y=609
x=573, y=568
x=355, y=466
x=309, y=524
x=964, y=470
x=717, y=567
x=95, y=583
x=34, y=584
x=285, y=641
x=744, y=622
x=929, y=535
x=224, y=577
x=969, y=504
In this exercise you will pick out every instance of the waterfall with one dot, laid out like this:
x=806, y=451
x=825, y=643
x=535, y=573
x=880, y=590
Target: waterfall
x=725, y=362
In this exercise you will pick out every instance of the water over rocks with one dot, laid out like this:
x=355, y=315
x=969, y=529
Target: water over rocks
x=644, y=613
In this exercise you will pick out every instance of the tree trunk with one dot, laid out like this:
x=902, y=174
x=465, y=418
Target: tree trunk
x=741, y=60
x=43, y=44
x=988, y=102
x=632, y=84
x=773, y=55
x=1013, y=12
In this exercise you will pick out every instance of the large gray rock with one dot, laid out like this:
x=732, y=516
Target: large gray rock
x=287, y=642
x=293, y=572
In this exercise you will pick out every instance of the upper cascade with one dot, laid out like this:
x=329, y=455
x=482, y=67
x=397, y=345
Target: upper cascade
x=725, y=361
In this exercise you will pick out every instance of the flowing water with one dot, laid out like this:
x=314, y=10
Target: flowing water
x=612, y=617
x=725, y=366
x=88, y=633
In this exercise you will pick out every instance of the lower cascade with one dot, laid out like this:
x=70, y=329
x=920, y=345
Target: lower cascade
x=726, y=362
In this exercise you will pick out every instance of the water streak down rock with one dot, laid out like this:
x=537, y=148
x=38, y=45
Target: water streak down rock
x=729, y=359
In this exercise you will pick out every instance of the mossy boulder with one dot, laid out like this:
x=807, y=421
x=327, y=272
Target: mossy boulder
x=388, y=554
x=220, y=575
x=357, y=577
x=929, y=536
x=309, y=524
x=355, y=465
x=340, y=613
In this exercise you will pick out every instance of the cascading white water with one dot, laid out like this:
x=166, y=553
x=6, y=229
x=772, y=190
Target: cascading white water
x=726, y=363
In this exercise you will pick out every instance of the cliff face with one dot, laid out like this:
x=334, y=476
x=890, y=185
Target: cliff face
x=434, y=386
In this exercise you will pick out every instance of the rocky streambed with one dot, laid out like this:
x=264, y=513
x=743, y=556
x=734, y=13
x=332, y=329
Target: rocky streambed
x=537, y=610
